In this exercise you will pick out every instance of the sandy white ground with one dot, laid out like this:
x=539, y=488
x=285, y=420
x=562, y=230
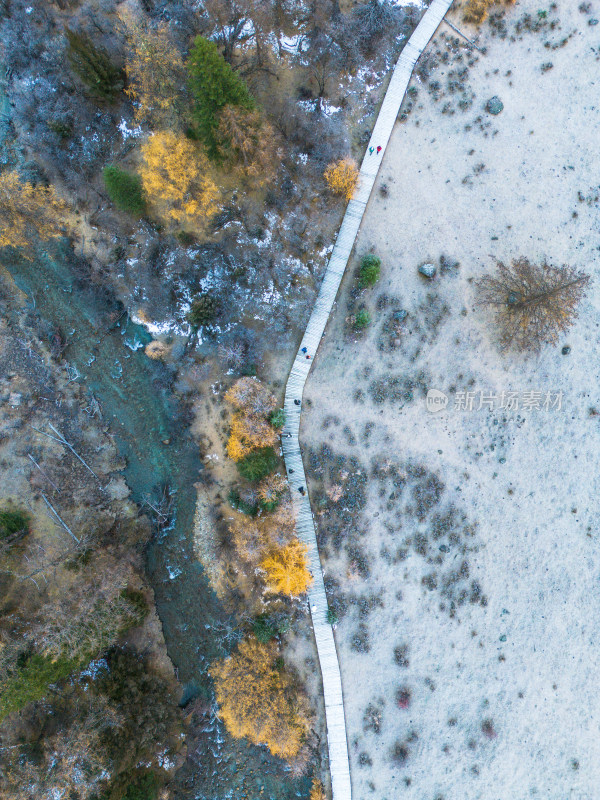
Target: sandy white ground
x=527, y=661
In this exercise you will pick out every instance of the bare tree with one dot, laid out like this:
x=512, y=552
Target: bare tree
x=534, y=303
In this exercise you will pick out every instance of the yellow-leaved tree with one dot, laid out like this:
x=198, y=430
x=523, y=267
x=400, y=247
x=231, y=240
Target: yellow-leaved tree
x=28, y=212
x=317, y=792
x=177, y=181
x=342, y=177
x=259, y=701
x=254, y=538
x=286, y=569
x=248, y=432
x=156, y=75
x=250, y=428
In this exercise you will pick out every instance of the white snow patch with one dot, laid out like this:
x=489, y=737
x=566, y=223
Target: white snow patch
x=328, y=109
x=174, y=572
x=129, y=133
x=291, y=44
x=271, y=295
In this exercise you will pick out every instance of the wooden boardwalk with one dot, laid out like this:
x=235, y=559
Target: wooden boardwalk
x=332, y=684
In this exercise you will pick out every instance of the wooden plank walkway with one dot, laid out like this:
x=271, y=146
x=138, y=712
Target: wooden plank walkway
x=332, y=684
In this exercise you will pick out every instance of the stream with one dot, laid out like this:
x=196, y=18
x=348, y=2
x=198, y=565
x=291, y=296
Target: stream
x=104, y=353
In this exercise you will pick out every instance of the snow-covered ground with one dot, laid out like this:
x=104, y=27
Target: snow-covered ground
x=498, y=658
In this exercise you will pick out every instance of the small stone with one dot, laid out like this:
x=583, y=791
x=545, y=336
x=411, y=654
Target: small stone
x=592, y=21
x=503, y=637
x=566, y=350
x=401, y=315
x=15, y=399
x=428, y=271
x=494, y=105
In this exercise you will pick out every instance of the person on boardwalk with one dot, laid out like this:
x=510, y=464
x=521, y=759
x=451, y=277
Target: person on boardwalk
x=296, y=402
x=378, y=149
x=308, y=357
x=371, y=150
x=304, y=350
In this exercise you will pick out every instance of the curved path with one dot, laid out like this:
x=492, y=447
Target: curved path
x=332, y=684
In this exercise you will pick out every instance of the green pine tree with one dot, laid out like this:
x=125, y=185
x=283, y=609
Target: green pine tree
x=94, y=67
x=124, y=189
x=214, y=85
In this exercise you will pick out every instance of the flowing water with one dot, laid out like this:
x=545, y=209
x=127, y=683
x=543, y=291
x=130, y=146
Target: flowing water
x=105, y=355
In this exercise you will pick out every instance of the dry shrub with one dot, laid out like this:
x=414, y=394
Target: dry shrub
x=156, y=350
x=476, y=11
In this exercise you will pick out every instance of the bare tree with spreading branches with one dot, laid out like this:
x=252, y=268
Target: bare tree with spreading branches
x=534, y=303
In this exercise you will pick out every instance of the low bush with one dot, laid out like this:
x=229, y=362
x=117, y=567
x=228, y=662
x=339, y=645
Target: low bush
x=237, y=501
x=362, y=319
x=14, y=524
x=143, y=788
x=258, y=464
x=332, y=617
x=277, y=418
x=124, y=189
x=370, y=267
x=266, y=627
x=203, y=310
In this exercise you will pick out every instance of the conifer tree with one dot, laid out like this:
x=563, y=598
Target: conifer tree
x=124, y=189
x=214, y=85
x=94, y=67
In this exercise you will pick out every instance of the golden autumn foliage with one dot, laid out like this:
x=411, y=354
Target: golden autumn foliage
x=254, y=538
x=477, y=10
x=317, y=792
x=28, y=212
x=155, y=72
x=177, y=182
x=342, y=177
x=250, y=428
x=248, y=142
x=258, y=701
x=287, y=569
x=248, y=432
